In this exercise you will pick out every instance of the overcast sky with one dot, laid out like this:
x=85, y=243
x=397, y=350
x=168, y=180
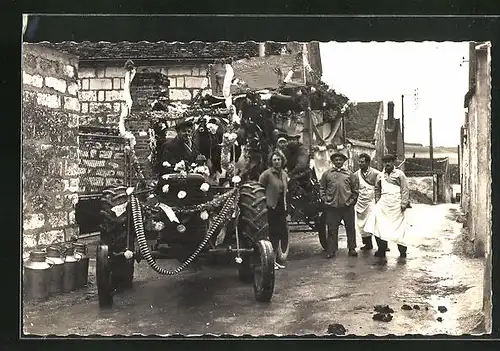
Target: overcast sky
x=383, y=71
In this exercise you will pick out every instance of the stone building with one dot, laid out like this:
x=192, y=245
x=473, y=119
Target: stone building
x=73, y=94
x=364, y=131
x=50, y=118
x=475, y=155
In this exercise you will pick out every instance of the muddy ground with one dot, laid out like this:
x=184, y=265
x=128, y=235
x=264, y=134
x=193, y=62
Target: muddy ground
x=310, y=293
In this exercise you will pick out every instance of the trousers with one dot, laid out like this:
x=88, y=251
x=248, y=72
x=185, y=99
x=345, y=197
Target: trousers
x=382, y=247
x=278, y=227
x=333, y=218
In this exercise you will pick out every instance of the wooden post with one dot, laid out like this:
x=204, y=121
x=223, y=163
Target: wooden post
x=403, y=125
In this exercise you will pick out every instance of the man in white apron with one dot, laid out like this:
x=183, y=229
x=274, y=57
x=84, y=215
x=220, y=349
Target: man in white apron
x=392, y=200
x=366, y=199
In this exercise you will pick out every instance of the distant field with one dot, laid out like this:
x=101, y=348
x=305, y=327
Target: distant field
x=439, y=152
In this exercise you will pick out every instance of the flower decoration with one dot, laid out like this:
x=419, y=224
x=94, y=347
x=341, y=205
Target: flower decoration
x=180, y=166
x=204, y=187
x=128, y=254
x=212, y=127
x=236, y=179
x=166, y=164
x=165, y=176
x=165, y=188
x=204, y=215
x=181, y=194
x=238, y=260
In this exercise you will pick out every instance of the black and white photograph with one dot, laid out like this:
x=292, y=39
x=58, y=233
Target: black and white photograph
x=255, y=187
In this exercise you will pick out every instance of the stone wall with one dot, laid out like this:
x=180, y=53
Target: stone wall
x=421, y=185
x=102, y=160
x=103, y=86
x=50, y=117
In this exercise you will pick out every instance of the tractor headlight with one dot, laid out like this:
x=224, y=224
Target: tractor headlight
x=181, y=228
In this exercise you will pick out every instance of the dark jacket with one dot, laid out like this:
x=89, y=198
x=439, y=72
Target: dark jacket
x=176, y=150
x=339, y=188
x=271, y=180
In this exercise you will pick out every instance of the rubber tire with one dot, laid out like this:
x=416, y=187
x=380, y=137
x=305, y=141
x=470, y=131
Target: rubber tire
x=322, y=231
x=114, y=234
x=282, y=255
x=253, y=213
x=245, y=272
x=263, y=271
x=103, y=277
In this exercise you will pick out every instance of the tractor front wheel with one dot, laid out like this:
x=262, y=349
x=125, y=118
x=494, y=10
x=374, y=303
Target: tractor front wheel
x=263, y=271
x=103, y=276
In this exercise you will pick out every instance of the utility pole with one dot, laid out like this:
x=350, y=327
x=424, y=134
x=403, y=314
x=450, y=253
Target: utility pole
x=431, y=154
x=403, y=124
x=459, y=170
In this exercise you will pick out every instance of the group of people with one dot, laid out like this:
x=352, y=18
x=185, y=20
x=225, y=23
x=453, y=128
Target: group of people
x=369, y=202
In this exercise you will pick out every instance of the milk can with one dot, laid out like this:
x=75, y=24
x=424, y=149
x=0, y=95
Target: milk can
x=36, y=276
x=54, y=258
x=70, y=270
x=82, y=264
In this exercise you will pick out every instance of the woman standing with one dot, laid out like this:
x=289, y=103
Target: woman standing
x=275, y=181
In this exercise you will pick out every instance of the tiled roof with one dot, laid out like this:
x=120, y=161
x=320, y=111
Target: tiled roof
x=361, y=124
x=156, y=50
x=258, y=72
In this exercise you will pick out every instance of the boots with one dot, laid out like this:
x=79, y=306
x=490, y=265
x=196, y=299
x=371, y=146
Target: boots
x=367, y=240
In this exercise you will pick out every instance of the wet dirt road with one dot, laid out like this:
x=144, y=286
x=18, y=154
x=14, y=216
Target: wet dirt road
x=310, y=293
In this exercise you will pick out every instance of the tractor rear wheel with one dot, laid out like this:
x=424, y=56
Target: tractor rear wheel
x=253, y=213
x=114, y=227
x=320, y=227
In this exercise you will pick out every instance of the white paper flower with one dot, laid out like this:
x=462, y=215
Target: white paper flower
x=204, y=187
x=165, y=176
x=158, y=226
x=129, y=190
x=180, y=166
x=166, y=164
x=165, y=188
x=236, y=179
x=212, y=127
x=128, y=254
x=181, y=194
x=204, y=215
x=151, y=196
x=238, y=260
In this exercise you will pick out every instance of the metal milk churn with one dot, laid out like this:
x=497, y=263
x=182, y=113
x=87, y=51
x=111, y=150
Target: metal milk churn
x=82, y=264
x=70, y=270
x=36, y=276
x=54, y=258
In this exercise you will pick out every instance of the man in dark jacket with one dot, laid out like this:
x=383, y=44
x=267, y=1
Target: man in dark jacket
x=339, y=189
x=180, y=148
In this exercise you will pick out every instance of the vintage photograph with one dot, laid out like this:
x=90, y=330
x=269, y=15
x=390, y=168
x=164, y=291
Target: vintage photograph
x=255, y=188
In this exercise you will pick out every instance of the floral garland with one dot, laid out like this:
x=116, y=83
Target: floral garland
x=209, y=206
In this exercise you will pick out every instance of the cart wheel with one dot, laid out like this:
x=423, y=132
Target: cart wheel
x=322, y=231
x=263, y=272
x=283, y=249
x=103, y=276
x=245, y=270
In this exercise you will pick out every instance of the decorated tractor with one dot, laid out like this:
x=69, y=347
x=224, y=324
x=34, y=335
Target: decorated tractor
x=197, y=209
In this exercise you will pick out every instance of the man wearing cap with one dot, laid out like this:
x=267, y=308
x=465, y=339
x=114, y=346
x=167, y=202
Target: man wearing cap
x=392, y=199
x=367, y=177
x=339, y=192
x=181, y=147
